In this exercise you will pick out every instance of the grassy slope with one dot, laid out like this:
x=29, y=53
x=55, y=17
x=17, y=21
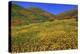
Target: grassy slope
x=21, y=16
x=68, y=14
x=55, y=35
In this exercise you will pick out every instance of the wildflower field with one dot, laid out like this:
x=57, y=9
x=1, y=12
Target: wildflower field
x=45, y=36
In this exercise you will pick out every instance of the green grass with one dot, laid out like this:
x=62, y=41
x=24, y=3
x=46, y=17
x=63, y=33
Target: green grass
x=46, y=36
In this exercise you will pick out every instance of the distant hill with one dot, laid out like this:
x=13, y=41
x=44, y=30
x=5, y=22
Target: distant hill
x=25, y=16
x=68, y=14
x=29, y=15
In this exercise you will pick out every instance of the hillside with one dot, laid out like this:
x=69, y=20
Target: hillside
x=47, y=36
x=29, y=15
x=23, y=16
x=68, y=14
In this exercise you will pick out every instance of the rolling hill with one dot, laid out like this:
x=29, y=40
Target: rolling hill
x=23, y=16
x=73, y=13
x=29, y=15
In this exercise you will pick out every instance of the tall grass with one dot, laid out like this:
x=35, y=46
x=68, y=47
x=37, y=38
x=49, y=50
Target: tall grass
x=55, y=35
